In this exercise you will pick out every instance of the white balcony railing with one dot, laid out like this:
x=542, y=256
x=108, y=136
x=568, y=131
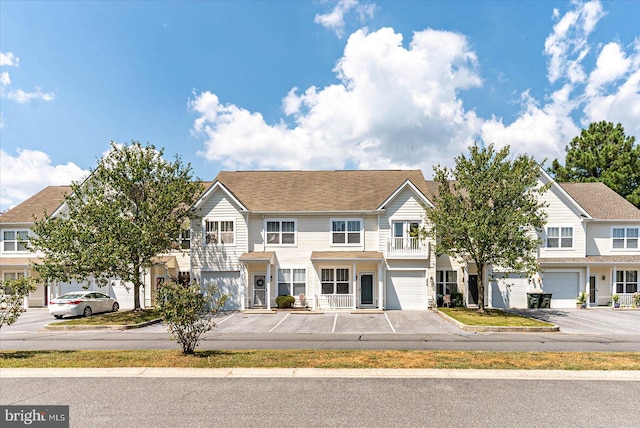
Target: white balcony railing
x=335, y=301
x=411, y=247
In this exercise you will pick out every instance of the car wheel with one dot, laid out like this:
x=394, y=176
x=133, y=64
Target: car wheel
x=87, y=311
x=58, y=316
x=116, y=306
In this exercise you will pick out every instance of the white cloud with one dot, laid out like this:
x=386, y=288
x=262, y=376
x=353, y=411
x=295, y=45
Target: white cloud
x=18, y=95
x=29, y=172
x=334, y=20
x=393, y=107
x=567, y=45
x=9, y=59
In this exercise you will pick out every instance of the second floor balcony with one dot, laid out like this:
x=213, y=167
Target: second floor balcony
x=407, y=247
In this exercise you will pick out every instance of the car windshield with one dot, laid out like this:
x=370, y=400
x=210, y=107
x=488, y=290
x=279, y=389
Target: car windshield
x=70, y=296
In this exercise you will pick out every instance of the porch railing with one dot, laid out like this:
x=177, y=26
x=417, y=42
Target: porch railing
x=335, y=301
x=626, y=300
x=406, y=247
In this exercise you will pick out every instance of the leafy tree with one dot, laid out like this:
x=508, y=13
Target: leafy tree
x=605, y=154
x=488, y=213
x=188, y=310
x=12, y=294
x=130, y=209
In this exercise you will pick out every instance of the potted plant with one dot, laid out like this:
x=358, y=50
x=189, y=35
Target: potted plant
x=581, y=300
x=616, y=300
x=636, y=300
x=303, y=300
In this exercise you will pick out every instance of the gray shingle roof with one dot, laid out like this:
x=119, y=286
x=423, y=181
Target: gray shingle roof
x=601, y=202
x=46, y=200
x=309, y=191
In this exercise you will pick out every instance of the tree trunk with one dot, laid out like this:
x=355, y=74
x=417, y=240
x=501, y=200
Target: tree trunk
x=480, y=287
x=136, y=293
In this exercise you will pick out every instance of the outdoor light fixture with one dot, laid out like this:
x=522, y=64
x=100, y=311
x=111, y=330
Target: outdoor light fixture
x=604, y=277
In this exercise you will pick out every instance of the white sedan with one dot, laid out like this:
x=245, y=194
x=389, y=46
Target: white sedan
x=83, y=303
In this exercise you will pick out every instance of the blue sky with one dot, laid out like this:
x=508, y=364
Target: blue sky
x=305, y=84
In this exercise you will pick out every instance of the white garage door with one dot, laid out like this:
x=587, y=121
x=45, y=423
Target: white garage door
x=509, y=291
x=564, y=286
x=406, y=290
x=229, y=283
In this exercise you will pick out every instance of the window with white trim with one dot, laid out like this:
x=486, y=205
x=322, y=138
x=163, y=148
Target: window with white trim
x=15, y=241
x=624, y=238
x=184, y=239
x=334, y=280
x=281, y=232
x=12, y=276
x=220, y=232
x=627, y=281
x=446, y=282
x=560, y=237
x=292, y=281
x=346, y=232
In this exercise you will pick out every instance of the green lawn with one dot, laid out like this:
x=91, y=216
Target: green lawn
x=491, y=317
x=326, y=359
x=114, y=318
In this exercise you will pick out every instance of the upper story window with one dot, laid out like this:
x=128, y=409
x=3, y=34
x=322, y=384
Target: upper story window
x=15, y=241
x=220, y=232
x=625, y=238
x=346, y=232
x=560, y=237
x=281, y=232
x=184, y=240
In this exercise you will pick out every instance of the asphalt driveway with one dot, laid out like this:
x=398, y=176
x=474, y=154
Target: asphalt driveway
x=589, y=321
x=403, y=322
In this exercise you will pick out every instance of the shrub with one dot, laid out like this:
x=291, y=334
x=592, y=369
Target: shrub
x=285, y=301
x=188, y=311
x=457, y=299
x=12, y=294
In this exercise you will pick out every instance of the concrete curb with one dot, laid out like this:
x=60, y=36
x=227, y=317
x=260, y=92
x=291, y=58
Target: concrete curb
x=101, y=327
x=151, y=372
x=496, y=329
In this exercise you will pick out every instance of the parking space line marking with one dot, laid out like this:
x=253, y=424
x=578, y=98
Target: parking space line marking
x=224, y=319
x=335, y=320
x=276, y=326
x=389, y=321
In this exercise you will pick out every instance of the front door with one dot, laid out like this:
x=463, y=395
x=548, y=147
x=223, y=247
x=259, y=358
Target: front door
x=593, y=295
x=259, y=290
x=366, y=289
x=473, y=289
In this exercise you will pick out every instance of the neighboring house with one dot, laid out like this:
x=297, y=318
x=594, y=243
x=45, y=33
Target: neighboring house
x=16, y=257
x=590, y=243
x=331, y=239
x=15, y=231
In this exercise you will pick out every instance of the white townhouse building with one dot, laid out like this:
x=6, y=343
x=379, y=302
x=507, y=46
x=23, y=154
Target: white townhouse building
x=343, y=240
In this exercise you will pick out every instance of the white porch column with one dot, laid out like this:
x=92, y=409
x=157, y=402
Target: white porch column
x=269, y=285
x=613, y=281
x=380, y=287
x=355, y=287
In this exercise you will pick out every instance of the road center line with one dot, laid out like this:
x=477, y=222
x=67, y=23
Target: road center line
x=276, y=326
x=335, y=320
x=389, y=321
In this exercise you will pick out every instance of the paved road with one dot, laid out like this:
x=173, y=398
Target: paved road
x=389, y=330
x=315, y=402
